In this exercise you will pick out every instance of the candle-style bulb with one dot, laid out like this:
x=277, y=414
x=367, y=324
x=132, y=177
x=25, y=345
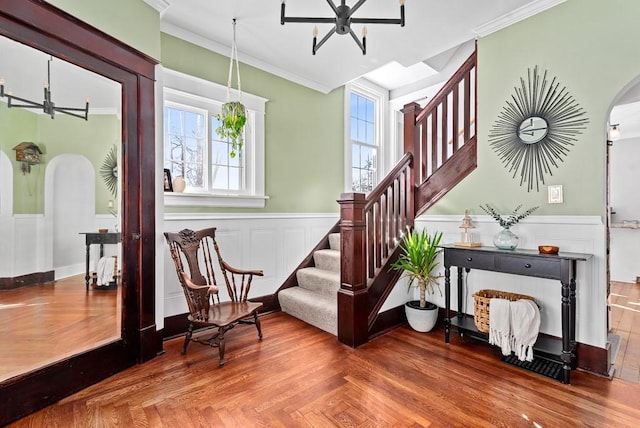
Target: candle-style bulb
x=1, y=80
x=364, y=31
x=45, y=84
x=315, y=31
x=401, y=2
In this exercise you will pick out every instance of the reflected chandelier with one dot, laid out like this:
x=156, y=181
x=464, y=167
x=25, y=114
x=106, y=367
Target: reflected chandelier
x=47, y=105
x=343, y=20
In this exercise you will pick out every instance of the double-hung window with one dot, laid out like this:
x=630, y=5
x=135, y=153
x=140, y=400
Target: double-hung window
x=364, y=153
x=194, y=151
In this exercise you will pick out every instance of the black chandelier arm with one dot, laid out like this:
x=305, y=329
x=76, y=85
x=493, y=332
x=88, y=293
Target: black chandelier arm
x=378, y=21
x=354, y=7
x=69, y=111
x=307, y=20
x=29, y=104
x=362, y=45
x=334, y=7
x=316, y=46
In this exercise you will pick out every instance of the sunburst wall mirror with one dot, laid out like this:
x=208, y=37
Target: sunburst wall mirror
x=536, y=127
x=109, y=170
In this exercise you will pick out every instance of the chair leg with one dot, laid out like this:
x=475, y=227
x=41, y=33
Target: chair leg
x=187, y=338
x=257, y=321
x=221, y=346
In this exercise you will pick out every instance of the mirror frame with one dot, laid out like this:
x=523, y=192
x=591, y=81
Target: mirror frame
x=49, y=29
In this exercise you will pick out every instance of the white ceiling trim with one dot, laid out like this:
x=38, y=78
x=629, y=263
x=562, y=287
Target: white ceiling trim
x=160, y=5
x=517, y=15
x=197, y=40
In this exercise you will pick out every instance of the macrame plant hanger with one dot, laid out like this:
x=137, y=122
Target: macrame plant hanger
x=233, y=115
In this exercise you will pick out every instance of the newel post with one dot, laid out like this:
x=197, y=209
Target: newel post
x=353, y=309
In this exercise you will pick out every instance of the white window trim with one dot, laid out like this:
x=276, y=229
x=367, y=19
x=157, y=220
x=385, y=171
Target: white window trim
x=199, y=92
x=385, y=148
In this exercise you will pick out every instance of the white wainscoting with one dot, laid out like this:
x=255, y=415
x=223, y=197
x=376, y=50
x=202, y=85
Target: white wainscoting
x=575, y=234
x=275, y=243
x=28, y=242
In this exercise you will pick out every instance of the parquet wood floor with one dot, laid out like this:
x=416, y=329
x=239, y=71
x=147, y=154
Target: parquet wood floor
x=44, y=323
x=300, y=376
x=625, y=322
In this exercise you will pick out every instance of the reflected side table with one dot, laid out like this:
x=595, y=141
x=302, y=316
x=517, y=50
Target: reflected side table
x=101, y=239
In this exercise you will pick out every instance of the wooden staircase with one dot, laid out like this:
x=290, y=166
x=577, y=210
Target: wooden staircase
x=440, y=150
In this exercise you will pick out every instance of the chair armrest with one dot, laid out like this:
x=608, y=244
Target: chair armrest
x=241, y=271
x=211, y=289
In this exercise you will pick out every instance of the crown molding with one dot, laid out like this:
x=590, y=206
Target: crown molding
x=221, y=49
x=515, y=16
x=160, y=5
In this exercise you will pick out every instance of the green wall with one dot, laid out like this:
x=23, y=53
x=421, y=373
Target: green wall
x=592, y=47
x=20, y=125
x=64, y=134
x=131, y=21
x=304, y=141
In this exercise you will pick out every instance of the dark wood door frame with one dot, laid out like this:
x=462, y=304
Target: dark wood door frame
x=44, y=27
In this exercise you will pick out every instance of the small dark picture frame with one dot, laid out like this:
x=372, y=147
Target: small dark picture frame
x=168, y=186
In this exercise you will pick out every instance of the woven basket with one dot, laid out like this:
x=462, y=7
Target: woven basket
x=481, y=301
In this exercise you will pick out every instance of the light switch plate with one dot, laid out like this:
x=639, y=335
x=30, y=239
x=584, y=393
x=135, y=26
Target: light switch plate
x=555, y=194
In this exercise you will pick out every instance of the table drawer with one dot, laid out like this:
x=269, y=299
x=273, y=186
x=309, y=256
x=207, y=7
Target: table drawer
x=467, y=259
x=540, y=267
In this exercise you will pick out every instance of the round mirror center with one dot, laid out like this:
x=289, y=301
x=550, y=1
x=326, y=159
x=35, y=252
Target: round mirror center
x=533, y=129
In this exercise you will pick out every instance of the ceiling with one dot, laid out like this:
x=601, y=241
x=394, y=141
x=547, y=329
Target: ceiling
x=396, y=56
x=437, y=38
x=24, y=76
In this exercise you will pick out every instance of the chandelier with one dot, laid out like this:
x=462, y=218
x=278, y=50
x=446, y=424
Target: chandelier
x=47, y=105
x=342, y=20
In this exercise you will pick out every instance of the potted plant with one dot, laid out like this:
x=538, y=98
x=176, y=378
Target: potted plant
x=232, y=120
x=506, y=239
x=418, y=260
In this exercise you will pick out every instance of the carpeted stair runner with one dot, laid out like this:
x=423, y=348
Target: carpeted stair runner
x=315, y=300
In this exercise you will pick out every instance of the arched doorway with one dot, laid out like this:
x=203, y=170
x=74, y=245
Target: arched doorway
x=623, y=208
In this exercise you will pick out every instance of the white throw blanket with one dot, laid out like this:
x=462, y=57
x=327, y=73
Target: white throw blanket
x=514, y=326
x=104, y=272
x=525, y=325
x=500, y=324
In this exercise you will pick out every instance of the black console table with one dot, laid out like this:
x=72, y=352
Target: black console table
x=101, y=238
x=560, y=266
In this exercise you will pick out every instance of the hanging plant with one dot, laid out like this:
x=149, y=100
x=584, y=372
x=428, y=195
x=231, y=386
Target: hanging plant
x=233, y=116
x=232, y=120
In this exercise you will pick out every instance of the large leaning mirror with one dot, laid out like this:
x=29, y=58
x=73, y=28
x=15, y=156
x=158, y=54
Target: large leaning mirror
x=57, y=299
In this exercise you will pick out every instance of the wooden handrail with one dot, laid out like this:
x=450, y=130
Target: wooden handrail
x=435, y=133
x=457, y=77
x=377, y=192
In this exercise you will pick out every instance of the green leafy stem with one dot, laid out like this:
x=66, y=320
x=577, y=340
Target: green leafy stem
x=509, y=220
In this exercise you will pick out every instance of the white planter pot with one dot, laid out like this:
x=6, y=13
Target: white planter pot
x=421, y=319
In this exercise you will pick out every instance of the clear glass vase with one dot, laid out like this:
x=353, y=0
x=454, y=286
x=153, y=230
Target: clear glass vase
x=506, y=240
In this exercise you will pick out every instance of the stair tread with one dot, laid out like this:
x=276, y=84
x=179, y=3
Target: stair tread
x=317, y=309
x=329, y=251
x=327, y=259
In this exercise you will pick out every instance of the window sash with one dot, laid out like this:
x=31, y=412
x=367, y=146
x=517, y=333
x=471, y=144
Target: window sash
x=203, y=94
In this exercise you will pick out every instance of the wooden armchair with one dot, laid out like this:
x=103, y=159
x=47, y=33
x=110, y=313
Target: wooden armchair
x=201, y=290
